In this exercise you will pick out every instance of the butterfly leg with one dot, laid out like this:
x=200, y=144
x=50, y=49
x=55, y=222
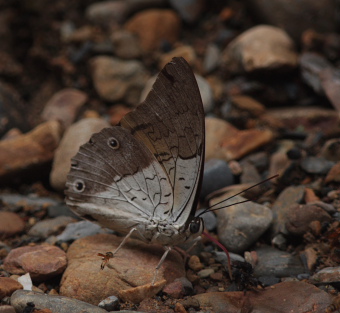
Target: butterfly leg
x=110, y=255
x=167, y=250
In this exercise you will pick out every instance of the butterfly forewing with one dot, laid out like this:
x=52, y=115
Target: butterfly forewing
x=170, y=122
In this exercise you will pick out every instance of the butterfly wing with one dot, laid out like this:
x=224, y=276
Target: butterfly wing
x=116, y=181
x=170, y=122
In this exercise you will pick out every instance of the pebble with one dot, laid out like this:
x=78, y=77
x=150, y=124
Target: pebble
x=118, y=80
x=110, y=304
x=225, y=142
x=194, y=263
x=60, y=210
x=104, y=12
x=31, y=200
x=10, y=224
x=81, y=229
x=316, y=165
x=29, y=151
x=281, y=298
x=299, y=217
x=327, y=275
x=278, y=14
x=211, y=58
x=205, y=272
x=129, y=274
x=248, y=104
x=273, y=262
x=7, y=309
x=76, y=135
x=330, y=83
x=331, y=150
x=48, y=227
x=288, y=197
x=41, y=261
x=187, y=52
x=8, y=286
x=216, y=175
x=333, y=174
x=64, y=106
x=59, y=304
x=189, y=10
x=146, y=25
x=126, y=45
x=262, y=47
x=179, y=288
x=240, y=225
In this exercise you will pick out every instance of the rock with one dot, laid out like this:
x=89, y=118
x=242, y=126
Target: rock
x=41, y=261
x=138, y=294
x=74, y=137
x=49, y=227
x=12, y=108
x=7, y=309
x=116, y=80
x=330, y=83
x=277, y=263
x=117, y=112
x=211, y=58
x=299, y=217
x=216, y=175
x=262, y=47
x=9, y=66
x=288, y=197
x=64, y=106
x=311, y=119
x=126, y=45
x=179, y=288
x=248, y=105
x=205, y=273
x=333, y=174
x=187, y=52
x=250, y=174
x=8, y=286
x=74, y=231
x=316, y=165
x=106, y=12
x=327, y=275
x=280, y=298
x=195, y=263
x=331, y=150
x=60, y=210
x=110, y=304
x=10, y=224
x=30, y=200
x=29, y=152
x=133, y=266
x=283, y=14
x=224, y=141
x=146, y=25
x=189, y=10
x=59, y=304
x=240, y=225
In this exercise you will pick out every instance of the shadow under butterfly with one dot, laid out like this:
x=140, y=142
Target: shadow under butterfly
x=143, y=178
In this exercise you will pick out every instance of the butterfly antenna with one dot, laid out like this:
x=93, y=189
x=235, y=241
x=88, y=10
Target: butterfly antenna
x=210, y=208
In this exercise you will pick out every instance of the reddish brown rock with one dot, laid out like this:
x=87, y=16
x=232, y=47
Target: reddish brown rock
x=146, y=25
x=224, y=141
x=174, y=289
x=42, y=262
x=133, y=266
x=299, y=217
x=281, y=298
x=10, y=224
x=29, y=151
x=194, y=263
x=64, y=106
x=8, y=286
x=333, y=174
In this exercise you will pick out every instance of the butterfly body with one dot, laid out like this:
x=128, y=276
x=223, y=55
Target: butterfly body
x=143, y=177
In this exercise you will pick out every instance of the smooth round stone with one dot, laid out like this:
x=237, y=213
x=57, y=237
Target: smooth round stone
x=205, y=272
x=316, y=165
x=49, y=227
x=217, y=174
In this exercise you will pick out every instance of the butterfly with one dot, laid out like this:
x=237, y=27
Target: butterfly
x=143, y=177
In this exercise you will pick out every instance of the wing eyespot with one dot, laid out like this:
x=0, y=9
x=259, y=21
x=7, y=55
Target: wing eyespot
x=113, y=143
x=79, y=185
